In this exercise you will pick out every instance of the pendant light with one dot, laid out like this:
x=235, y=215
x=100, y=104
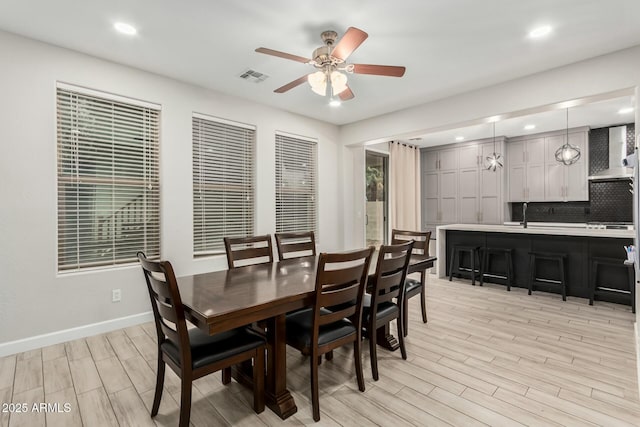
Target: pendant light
x=567, y=154
x=494, y=161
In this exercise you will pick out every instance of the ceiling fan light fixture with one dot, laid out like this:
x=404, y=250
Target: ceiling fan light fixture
x=338, y=82
x=318, y=82
x=331, y=62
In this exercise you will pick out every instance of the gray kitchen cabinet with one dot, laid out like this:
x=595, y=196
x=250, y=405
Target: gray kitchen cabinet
x=562, y=182
x=439, y=197
x=525, y=160
x=469, y=204
x=535, y=175
x=458, y=188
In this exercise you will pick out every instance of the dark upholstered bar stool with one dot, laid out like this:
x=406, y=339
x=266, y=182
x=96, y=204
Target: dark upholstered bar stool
x=598, y=285
x=456, y=268
x=534, y=257
x=485, y=265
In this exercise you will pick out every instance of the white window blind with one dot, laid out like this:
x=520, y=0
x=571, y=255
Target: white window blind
x=108, y=183
x=223, y=183
x=296, y=186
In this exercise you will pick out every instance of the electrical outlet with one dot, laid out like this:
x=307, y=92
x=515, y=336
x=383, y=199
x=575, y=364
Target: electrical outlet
x=116, y=295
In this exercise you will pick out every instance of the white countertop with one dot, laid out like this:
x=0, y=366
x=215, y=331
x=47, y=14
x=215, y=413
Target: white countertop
x=538, y=229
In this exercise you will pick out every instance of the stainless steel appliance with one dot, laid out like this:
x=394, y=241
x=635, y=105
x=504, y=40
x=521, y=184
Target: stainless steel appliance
x=617, y=152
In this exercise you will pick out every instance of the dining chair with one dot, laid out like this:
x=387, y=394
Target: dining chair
x=414, y=287
x=191, y=353
x=340, y=281
x=248, y=250
x=378, y=307
x=300, y=244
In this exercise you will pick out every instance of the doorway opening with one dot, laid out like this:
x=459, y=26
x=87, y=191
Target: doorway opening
x=377, y=198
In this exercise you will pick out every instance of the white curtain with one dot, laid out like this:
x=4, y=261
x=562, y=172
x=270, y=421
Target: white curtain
x=404, y=186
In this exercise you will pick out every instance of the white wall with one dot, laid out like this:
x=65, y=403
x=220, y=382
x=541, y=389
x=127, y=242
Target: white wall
x=33, y=298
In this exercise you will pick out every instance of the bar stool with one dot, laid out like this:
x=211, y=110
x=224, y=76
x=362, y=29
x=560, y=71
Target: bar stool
x=598, y=288
x=506, y=275
x=458, y=269
x=560, y=259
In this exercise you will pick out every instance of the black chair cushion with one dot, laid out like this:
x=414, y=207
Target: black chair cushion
x=207, y=349
x=411, y=286
x=385, y=309
x=299, y=331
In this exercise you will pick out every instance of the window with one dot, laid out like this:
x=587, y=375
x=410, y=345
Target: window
x=296, y=187
x=222, y=182
x=108, y=184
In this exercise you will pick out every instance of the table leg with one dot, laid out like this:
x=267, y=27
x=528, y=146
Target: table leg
x=385, y=339
x=277, y=396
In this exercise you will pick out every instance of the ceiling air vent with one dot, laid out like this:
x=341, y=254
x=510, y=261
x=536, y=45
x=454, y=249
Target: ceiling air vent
x=253, y=76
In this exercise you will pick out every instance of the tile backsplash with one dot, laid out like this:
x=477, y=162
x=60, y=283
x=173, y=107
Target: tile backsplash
x=609, y=201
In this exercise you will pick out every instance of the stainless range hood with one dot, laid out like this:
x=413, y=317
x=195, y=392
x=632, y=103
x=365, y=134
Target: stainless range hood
x=617, y=152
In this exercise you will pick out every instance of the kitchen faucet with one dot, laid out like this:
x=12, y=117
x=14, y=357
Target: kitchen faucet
x=524, y=215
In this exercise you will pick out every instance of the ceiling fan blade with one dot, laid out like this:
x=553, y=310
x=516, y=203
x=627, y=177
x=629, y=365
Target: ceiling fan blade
x=348, y=43
x=379, y=70
x=346, y=94
x=283, y=55
x=292, y=84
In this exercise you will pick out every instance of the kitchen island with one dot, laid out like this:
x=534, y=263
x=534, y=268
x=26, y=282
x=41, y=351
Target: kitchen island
x=580, y=245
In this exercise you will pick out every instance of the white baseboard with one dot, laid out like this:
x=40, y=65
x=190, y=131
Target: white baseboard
x=57, y=337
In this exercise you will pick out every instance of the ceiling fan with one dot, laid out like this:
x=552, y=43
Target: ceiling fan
x=330, y=60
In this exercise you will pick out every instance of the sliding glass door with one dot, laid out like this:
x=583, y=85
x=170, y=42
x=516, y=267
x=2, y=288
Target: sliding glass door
x=377, y=200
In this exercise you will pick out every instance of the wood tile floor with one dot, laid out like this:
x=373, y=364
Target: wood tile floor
x=486, y=357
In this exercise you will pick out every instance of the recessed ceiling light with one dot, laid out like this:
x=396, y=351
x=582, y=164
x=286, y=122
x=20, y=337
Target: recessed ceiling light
x=625, y=110
x=459, y=138
x=539, y=32
x=529, y=127
x=125, y=28
x=335, y=103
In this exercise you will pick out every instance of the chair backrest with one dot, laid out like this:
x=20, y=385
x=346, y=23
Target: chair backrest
x=341, y=279
x=300, y=244
x=391, y=271
x=252, y=250
x=421, y=239
x=168, y=311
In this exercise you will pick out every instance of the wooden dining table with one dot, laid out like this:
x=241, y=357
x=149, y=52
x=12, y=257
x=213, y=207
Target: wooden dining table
x=223, y=300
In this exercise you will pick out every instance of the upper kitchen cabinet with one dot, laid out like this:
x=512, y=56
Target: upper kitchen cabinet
x=535, y=175
x=525, y=160
x=562, y=182
x=457, y=187
x=440, y=160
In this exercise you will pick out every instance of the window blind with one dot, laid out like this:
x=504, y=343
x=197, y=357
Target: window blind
x=223, y=183
x=296, y=186
x=108, y=181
